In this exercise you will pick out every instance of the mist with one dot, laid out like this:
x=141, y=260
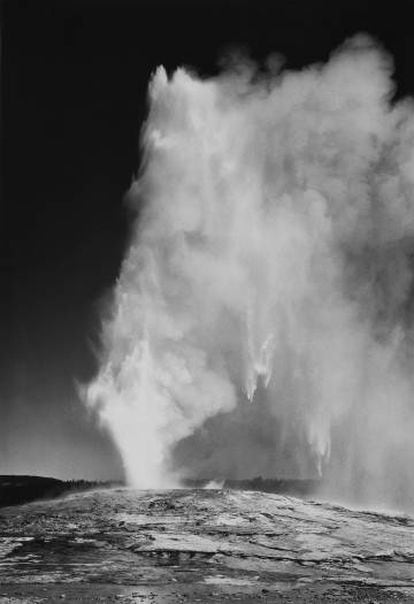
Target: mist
x=262, y=318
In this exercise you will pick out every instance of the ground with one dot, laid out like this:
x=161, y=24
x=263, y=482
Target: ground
x=195, y=545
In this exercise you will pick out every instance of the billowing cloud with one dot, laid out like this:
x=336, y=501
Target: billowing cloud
x=261, y=322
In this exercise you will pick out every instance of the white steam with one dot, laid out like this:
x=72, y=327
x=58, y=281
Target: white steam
x=262, y=319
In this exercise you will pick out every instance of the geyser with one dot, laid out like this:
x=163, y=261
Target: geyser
x=262, y=319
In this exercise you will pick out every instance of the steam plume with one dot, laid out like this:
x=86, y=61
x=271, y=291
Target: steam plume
x=262, y=319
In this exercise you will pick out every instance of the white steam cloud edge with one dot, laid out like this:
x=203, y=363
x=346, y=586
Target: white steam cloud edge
x=262, y=319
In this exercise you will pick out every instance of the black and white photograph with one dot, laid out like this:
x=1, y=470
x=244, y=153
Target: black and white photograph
x=207, y=301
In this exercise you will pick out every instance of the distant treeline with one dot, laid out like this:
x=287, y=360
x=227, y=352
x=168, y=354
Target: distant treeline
x=22, y=489
x=281, y=486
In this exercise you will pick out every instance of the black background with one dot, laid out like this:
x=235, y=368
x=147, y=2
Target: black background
x=74, y=78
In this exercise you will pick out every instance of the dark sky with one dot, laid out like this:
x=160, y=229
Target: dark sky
x=74, y=78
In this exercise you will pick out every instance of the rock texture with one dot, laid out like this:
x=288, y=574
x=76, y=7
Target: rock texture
x=202, y=546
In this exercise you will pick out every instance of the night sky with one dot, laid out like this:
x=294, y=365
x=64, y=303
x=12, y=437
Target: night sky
x=74, y=79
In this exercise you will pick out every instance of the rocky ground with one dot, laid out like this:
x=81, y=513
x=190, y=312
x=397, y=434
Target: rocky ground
x=202, y=546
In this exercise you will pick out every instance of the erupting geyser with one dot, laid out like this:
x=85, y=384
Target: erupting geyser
x=262, y=319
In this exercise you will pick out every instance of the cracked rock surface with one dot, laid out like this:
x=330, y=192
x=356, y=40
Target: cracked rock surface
x=202, y=546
